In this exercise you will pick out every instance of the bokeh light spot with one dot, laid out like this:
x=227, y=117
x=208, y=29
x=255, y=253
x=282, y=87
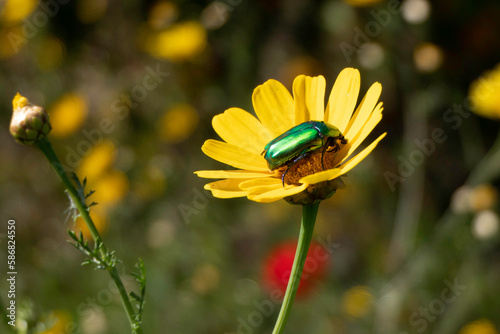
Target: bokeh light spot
x=427, y=57
x=357, y=301
x=67, y=115
x=178, y=123
x=415, y=11
x=14, y=11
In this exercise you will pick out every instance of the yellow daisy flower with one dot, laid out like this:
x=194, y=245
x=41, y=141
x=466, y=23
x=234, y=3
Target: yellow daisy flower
x=245, y=137
x=481, y=326
x=484, y=94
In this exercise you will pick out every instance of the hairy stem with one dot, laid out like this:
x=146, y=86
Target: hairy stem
x=46, y=147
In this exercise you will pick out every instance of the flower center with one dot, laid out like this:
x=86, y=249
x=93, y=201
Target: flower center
x=313, y=163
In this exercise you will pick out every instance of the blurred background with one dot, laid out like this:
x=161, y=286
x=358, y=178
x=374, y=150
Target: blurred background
x=411, y=245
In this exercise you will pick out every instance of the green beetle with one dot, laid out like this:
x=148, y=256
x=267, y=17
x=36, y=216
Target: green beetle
x=299, y=142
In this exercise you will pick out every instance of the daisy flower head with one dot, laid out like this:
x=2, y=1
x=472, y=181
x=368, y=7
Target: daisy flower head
x=313, y=173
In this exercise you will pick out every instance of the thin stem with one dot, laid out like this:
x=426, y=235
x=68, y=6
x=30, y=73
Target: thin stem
x=306, y=230
x=46, y=147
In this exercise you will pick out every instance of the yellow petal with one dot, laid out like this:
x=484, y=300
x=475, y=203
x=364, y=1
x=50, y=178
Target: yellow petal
x=226, y=188
x=343, y=98
x=262, y=182
x=236, y=126
x=234, y=156
x=336, y=172
x=364, y=110
x=353, y=144
x=232, y=174
x=273, y=105
x=309, y=97
x=277, y=194
x=258, y=190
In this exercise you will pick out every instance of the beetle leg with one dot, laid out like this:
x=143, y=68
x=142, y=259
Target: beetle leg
x=332, y=142
x=323, y=155
x=293, y=163
x=335, y=145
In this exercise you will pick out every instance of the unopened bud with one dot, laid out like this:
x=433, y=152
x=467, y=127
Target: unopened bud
x=29, y=122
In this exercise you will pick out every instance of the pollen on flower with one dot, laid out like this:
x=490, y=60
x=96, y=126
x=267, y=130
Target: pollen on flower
x=314, y=163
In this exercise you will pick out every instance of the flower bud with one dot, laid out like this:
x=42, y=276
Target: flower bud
x=29, y=122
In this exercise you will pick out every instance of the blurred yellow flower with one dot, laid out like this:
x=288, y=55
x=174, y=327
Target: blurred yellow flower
x=362, y=3
x=483, y=197
x=13, y=11
x=89, y=11
x=475, y=199
x=100, y=221
x=56, y=323
x=162, y=14
x=180, y=42
x=481, y=326
x=484, y=93
x=11, y=41
x=109, y=185
x=110, y=188
x=178, y=123
x=357, y=301
x=246, y=136
x=50, y=53
x=68, y=114
x=205, y=278
x=98, y=161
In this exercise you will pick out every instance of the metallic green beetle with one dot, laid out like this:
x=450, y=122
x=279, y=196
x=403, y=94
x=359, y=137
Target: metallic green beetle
x=299, y=142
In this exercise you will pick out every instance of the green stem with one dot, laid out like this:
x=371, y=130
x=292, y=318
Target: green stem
x=306, y=230
x=46, y=147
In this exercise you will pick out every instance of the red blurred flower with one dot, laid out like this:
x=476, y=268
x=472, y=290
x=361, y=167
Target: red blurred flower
x=278, y=265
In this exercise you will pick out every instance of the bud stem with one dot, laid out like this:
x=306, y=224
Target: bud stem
x=46, y=147
x=309, y=213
